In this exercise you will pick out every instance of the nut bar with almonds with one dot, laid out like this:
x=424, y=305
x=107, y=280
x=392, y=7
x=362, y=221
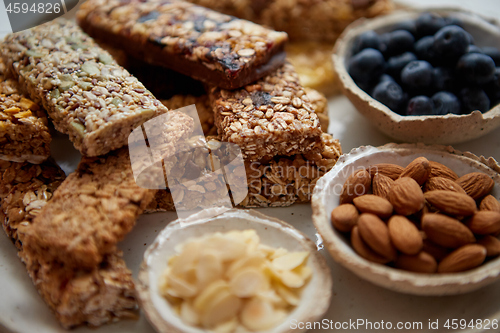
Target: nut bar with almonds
x=270, y=117
x=85, y=92
x=281, y=181
x=215, y=48
x=24, y=135
x=310, y=20
x=97, y=296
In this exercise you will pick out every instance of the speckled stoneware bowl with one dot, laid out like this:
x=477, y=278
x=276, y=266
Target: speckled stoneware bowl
x=448, y=129
x=326, y=198
x=273, y=232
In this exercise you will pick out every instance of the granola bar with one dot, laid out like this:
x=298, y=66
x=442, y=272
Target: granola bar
x=282, y=181
x=24, y=135
x=94, y=208
x=270, y=117
x=85, y=92
x=198, y=42
x=101, y=295
x=310, y=20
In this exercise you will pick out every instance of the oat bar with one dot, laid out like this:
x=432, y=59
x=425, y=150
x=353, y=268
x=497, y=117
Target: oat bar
x=270, y=117
x=92, y=210
x=280, y=182
x=85, y=92
x=101, y=295
x=303, y=20
x=209, y=46
x=24, y=135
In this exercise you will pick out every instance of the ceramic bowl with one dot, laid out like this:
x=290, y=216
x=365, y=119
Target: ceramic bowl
x=448, y=129
x=273, y=232
x=326, y=198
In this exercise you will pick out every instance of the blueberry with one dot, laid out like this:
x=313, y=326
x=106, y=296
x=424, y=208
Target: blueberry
x=476, y=68
x=417, y=75
x=399, y=41
x=386, y=77
x=397, y=63
x=474, y=49
x=444, y=103
x=474, y=99
x=492, y=88
x=409, y=26
x=442, y=78
x=366, y=65
x=419, y=106
x=450, y=20
x=451, y=42
x=368, y=39
x=424, y=49
x=428, y=24
x=390, y=94
x=494, y=53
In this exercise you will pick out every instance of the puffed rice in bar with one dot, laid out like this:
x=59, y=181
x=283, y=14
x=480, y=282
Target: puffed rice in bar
x=209, y=46
x=24, y=135
x=303, y=20
x=280, y=182
x=270, y=117
x=85, y=92
x=97, y=296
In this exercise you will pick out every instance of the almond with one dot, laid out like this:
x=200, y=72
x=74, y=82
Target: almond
x=476, y=184
x=389, y=170
x=373, y=204
x=452, y=203
x=363, y=250
x=446, y=231
x=404, y=235
x=381, y=185
x=344, y=217
x=406, y=196
x=422, y=262
x=441, y=170
x=376, y=235
x=463, y=259
x=484, y=222
x=419, y=169
x=492, y=245
x=441, y=183
x=357, y=184
x=437, y=251
x=490, y=203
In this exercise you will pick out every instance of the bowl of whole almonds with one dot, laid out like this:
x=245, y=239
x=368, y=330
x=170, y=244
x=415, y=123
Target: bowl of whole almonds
x=423, y=76
x=413, y=218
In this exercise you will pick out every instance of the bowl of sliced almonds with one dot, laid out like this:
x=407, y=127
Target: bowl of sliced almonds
x=238, y=271
x=413, y=218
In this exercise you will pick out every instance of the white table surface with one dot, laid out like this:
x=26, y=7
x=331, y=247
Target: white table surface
x=22, y=310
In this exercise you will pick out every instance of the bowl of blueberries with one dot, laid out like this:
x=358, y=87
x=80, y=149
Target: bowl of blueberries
x=423, y=76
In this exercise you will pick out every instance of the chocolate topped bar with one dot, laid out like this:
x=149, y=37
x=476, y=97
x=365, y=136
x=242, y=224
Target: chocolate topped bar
x=209, y=46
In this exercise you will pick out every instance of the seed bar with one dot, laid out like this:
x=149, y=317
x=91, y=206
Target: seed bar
x=218, y=49
x=101, y=295
x=85, y=92
x=270, y=117
x=24, y=135
x=280, y=182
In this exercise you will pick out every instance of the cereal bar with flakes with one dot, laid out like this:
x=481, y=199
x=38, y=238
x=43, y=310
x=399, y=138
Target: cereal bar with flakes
x=85, y=92
x=201, y=43
x=92, y=210
x=24, y=135
x=270, y=117
x=97, y=296
x=310, y=20
x=282, y=181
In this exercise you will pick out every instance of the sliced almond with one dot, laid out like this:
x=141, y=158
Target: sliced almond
x=278, y=253
x=206, y=295
x=208, y=269
x=419, y=169
x=287, y=294
x=225, y=248
x=344, y=217
x=405, y=235
x=186, y=259
x=180, y=288
x=222, y=308
x=227, y=327
x=422, y=262
x=253, y=260
x=484, y=223
x=476, y=184
x=463, y=259
x=376, y=235
x=446, y=231
x=248, y=282
x=258, y=315
x=290, y=260
x=373, y=204
x=189, y=314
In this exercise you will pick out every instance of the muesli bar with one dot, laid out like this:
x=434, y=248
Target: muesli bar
x=267, y=118
x=24, y=135
x=282, y=181
x=215, y=48
x=101, y=295
x=85, y=92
